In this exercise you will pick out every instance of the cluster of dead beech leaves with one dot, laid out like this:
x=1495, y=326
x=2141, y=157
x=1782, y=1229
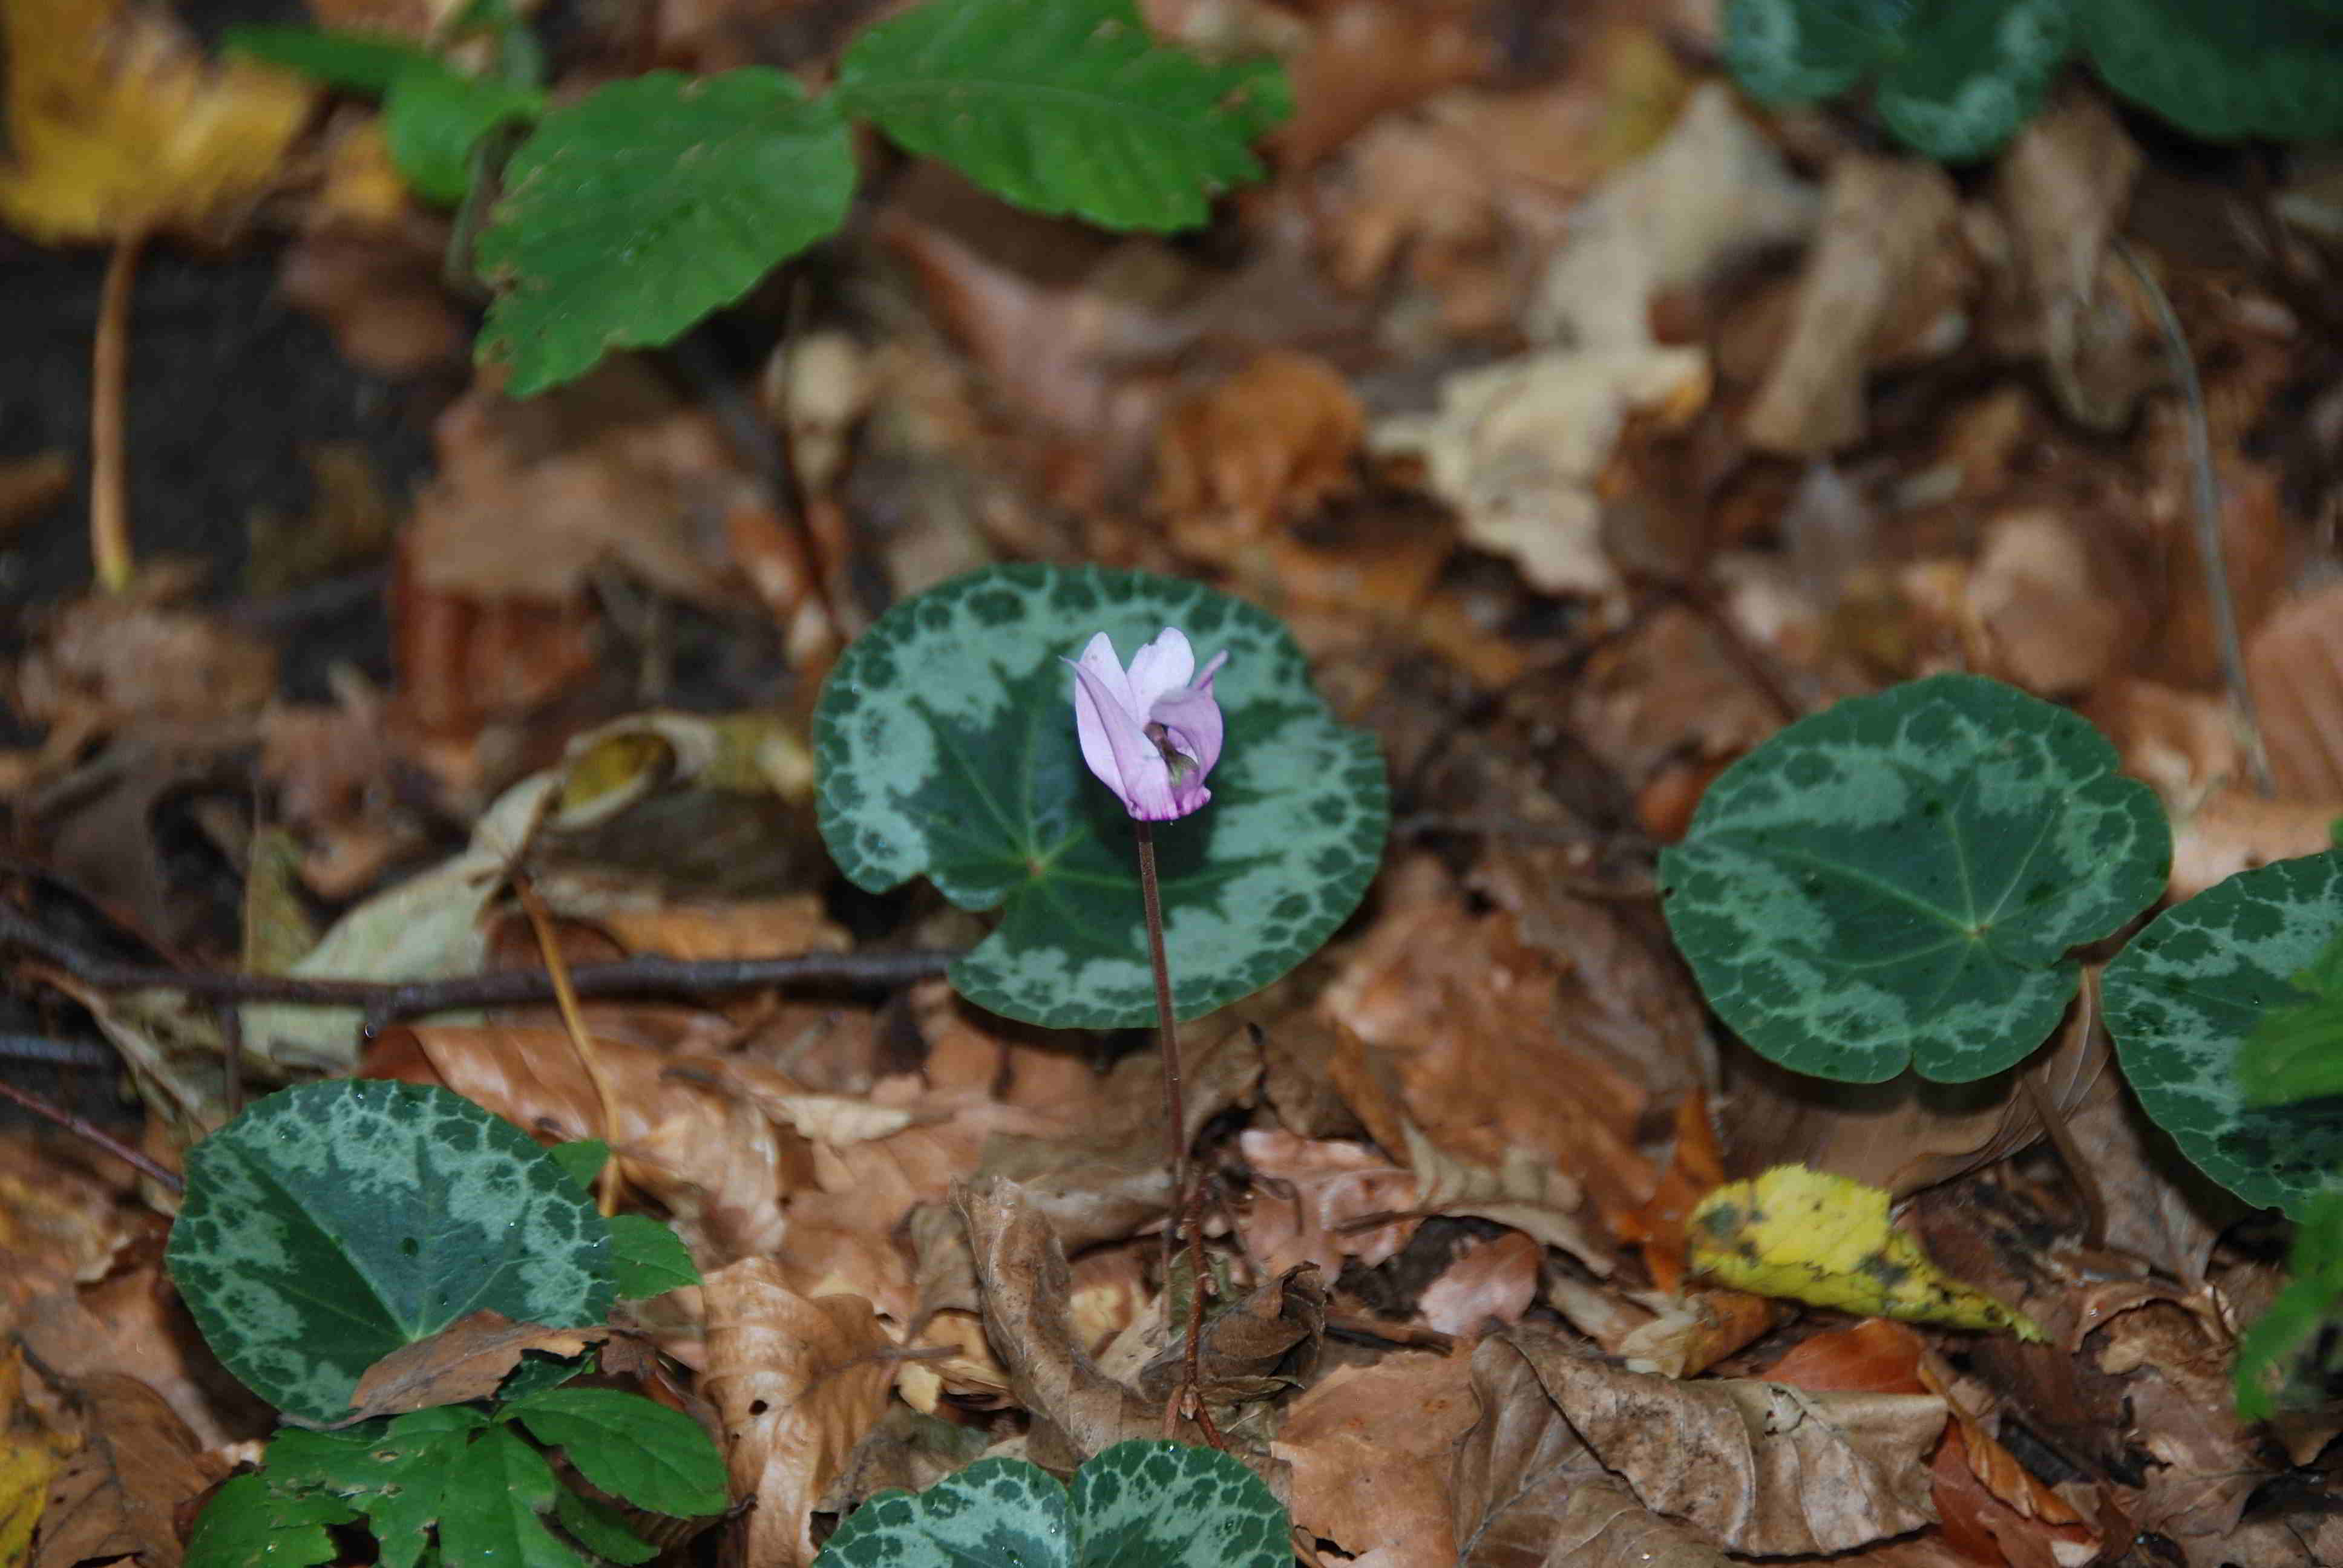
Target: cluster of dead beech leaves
x=1586, y=425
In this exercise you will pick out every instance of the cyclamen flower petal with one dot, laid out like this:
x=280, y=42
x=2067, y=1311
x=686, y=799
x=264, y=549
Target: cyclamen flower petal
x=1150, y=733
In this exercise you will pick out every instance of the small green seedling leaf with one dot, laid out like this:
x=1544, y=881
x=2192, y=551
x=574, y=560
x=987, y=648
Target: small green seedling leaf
x=2188, y=993
x=332, y=1223
x=1065, y=107
x=2292, y=1355
x=946, y=743
x=1897, y=881
x=650, y=1259
x=2296, y=1052
x=581, y=1160
x=632, y=212
x=248, y=1525
x=431, y=121
x=396, y=1472
x=2224, y=69
x=630, y=1447
x=351, y=59
x=1139, y=1504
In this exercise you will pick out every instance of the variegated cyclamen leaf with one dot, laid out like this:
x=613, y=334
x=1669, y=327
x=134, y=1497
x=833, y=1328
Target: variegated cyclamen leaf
x=2188, y=993
x=1969, y=74
x=947, y=747
x=1897, y=881
x=332, y=1223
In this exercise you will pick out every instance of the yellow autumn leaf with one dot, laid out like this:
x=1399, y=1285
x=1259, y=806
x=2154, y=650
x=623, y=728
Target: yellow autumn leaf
x=29, y=1456
x=1825, y=1240
x=117, y=125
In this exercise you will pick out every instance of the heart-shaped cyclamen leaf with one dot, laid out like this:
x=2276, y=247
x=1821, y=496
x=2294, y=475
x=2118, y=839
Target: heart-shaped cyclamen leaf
x=2187, y=993
x=947, y=745
x=1897, y=881
x=1138, y=1504
x=330, y=1224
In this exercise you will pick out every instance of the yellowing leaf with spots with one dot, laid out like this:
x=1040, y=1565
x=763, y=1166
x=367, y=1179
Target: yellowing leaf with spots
x=116, y=125
x=29, y=1456
x=1827, y=1242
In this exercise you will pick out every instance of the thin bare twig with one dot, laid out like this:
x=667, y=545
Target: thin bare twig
x=384, y=1002
x=2205, y=493
x=92, y=1136
x=109, y=381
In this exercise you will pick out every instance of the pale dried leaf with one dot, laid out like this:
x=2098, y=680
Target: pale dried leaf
x=1306, y=1193
x=797, y=1382
x=2293, y=663
x=1489, y=1285
x=2039, y=613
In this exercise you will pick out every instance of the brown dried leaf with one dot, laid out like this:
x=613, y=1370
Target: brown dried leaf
x=115, y=660
x=465, y=1361
x=1370, y=1447
x=133, y=1323
x=797, y=1382
x=1021, y=1268
x=1269, y=443
x=1487, y=1286
x=1306, y=1193
x=1883, y=219
x=1763, y=1468
x=119, y=1496
x=1367, y=58
x=2293, y=663
x=1260, y=1346
x=2039, y=613
x=1528, y=1491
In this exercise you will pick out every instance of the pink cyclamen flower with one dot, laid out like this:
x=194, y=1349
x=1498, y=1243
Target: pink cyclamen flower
x=1151, y=735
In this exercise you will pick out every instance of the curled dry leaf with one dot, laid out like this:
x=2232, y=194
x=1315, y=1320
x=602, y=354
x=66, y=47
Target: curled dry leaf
x=1254, y=1348
x=465, y=1361
x=1764, y=1469
x=1371, y=1448
x=1308, y=1191
x=120, y=1495
x=1528, y=1489
x=1883, y=221
x=1021, y=1269
x=797, y=1382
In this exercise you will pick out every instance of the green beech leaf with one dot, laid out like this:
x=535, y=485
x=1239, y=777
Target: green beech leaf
x=649, y=1257
x=630, y=1447
x=332, y=1223
x=2292, y=1357
x=2186, y=995
x=247, y=1524
x=497, y=1501
x=632, y=212
x=1138, y=1504
x=946, y=743
x=431, y=121
x=1897, y=881
x=2224, y=69
x=1971, y=72
x=1799, y=50
x=396, y=1471
x=352, y=59
x=600, y=1529
x=1064, y=106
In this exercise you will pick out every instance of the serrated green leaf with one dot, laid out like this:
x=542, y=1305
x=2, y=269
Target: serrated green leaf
x=1138, y=1504
x=600, y=1529
x=632, y=212
x=2296, y=1052
x=2185, y=993
x=946, y=743
x=1897, y=881
x=394, y=1472
x=649, y=1257
x=1799, y=50
x=1169, y=1505
x=354, y=60
x=630, y=1447
x=2224, y=69
x=1065, y=107
x=431, y=121
x=1968, y=75
x=247, y=1524
x=496, y=1506
x=332, y=1223
x=581, y=1160
x=2278, y=1366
